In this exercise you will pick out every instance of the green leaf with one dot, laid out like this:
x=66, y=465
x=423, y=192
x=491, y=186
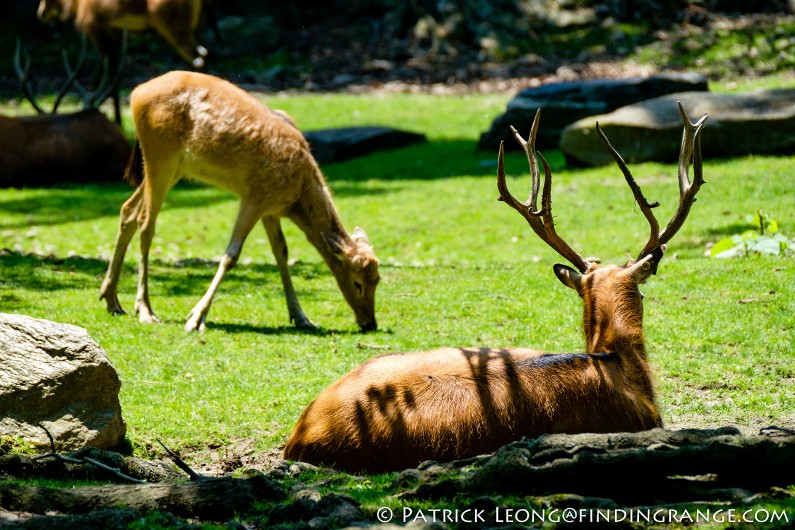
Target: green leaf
x=764, y=245
x=721, y=246
x=772, y=226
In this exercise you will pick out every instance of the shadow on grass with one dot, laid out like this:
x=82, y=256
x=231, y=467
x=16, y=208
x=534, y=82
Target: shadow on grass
x=48, y=273
x=375, y=174
x=437, y=159
x=71, y=203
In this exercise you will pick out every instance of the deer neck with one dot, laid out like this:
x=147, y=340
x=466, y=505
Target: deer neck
x=614, y=330
x=620, y=333
x=317, y=217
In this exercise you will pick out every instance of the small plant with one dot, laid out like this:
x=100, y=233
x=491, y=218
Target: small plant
x=763, y=239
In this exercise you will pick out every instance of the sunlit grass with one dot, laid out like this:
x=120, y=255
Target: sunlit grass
x=458, y=268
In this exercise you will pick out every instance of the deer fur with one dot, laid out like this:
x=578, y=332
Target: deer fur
x=397, y=410
x=200, y=126
x=49, y=148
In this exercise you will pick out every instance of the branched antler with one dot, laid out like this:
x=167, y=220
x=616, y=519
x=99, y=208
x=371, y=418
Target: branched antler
x=690, y=149
x=541, y=221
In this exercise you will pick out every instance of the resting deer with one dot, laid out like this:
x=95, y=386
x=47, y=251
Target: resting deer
x=52, y=147
x=397, y=410
x=200, y=126
x=103, y=21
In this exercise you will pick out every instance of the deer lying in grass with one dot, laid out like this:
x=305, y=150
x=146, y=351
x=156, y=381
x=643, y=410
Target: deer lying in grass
x=196, y=125
x=397, y=410
x=51, y=147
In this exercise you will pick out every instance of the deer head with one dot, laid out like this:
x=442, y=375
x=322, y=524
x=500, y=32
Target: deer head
x=613, y=309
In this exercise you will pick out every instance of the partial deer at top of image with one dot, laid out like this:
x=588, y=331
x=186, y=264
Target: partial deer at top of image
x=397, y=410
x=202, y=127
x=52, y=147
x=177, y=21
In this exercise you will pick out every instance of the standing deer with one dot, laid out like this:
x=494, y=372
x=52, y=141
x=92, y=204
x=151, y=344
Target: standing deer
x=397, y=410
x=103, y=21
x=197, y=125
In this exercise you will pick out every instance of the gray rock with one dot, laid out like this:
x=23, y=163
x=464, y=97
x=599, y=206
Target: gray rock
x=565, y=103
x=57, y=375
x=335, y=145
x=761, y=122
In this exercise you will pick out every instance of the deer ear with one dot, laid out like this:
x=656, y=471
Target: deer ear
x=335, y=244
x=359, y=235
x=568, y=276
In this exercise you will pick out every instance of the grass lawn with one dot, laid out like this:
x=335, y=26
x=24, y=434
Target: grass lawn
x=458, y=268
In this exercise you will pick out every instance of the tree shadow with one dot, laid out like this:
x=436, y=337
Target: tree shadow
x=21, y=269
x=72, y=202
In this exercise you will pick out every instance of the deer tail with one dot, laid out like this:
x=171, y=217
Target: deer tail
x=134, y=172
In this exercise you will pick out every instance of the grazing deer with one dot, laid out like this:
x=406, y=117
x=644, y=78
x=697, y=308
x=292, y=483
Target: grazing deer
x=196, y=125
x=397, y=410
x=51, y=147
x=103, y=21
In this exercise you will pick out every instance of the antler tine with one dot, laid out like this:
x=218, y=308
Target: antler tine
x=529, y=148
x=23, y=74
x=645, y=206
x=690, y=149
x=107, y=84
x=540, y=221
x=72, y=74
x=553, y=239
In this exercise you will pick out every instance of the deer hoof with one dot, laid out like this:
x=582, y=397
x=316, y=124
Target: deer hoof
x=195, y=323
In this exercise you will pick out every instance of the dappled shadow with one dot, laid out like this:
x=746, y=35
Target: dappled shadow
x=399, y=417
x=437, y=159
x=23, y=269
x=71, y=203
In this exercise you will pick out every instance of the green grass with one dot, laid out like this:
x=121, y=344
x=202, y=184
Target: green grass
x=458, y=268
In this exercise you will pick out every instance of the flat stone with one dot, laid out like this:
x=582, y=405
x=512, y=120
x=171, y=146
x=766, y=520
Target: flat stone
x=336, y=145
x=58, y=376
x=566, y=102
x=760, y=122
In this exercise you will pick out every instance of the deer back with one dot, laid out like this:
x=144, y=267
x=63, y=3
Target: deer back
x=395, y=411
x=223, y=136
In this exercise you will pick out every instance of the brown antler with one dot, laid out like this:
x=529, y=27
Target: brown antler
x=691, y=148
x=107, y=84
x=23, y=73
x=541, y=221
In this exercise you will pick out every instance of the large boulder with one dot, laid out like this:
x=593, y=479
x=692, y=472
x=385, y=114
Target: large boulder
x=760, y=122
x=565, y=103
x=56, y=375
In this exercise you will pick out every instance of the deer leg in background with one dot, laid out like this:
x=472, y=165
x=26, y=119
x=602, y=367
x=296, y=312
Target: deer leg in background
x=178, y=28
x=247, y=217
x=109, y=45
x=279, y=246
x=128, y=225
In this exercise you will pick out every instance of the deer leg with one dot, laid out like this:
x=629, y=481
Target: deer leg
x=127, y=228
x=159, y=176
x=279, y=248
x=246, y=219
x=183, y=40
